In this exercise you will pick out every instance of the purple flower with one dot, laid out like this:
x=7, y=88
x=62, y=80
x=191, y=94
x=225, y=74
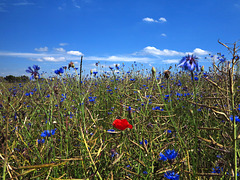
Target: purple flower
x=34, y=71
x=189, y=63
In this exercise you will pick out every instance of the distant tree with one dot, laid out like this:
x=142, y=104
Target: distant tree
x=10, y=78
x=13, y=79
x=24, y=79
x=2, y=79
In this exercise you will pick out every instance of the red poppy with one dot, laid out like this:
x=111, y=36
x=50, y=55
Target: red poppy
x=121, y=124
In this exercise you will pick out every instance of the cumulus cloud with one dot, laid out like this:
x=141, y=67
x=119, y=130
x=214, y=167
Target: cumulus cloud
x=200, y=52
x=52, y=59
x=163, y=34
x=75, y=53
x=59, y=49
x=150, y=50
x=162, y=19
x=147, y=19
x=153, y=51
x=119, y=58
x=41, y=49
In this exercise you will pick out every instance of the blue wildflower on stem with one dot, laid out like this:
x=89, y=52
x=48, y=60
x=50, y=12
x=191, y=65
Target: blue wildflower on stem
x=189, y=63
x=34, y=71
x=59, y=71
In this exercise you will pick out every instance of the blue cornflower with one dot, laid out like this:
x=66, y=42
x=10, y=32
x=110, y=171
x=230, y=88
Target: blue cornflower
x=41, y=141
x=145, y=172
x=171, y=175
x=169, y=154
x=189, y=63
x=59, y=71
x=217, y=169
x=236, y=118
x=222, y=59
x=28, y=94
x=48, y=133
x=169, y=131
x=92, y=99
x=196, y=78
x=162, y=157
x=145, y=141
x=53, y=131
x=34, y=72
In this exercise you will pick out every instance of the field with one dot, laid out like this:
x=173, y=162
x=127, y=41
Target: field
x=184, y=124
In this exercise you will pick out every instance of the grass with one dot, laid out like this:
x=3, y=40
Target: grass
x=164, y=111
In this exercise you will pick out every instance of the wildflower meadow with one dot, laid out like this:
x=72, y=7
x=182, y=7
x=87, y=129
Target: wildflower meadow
x=177, y=123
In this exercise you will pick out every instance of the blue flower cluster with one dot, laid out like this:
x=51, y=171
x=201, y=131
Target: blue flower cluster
x=169, y=155
x=236, y=118
x=171, y=175
x=46, y=133
x=217, y=170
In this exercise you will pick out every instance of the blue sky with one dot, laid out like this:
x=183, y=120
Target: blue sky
x=51, y=33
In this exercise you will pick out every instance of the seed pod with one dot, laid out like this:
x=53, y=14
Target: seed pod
x=153, y=72
x=167, y=74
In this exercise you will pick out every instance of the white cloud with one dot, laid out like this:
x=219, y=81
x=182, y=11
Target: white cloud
x=41, y=49
x=162, y=19
x=75, y=53
x=147, y=19
x=163, y=34
x=119, y=58
x=59, y=49
x=150, y=50
x=170, y=61
x=200, y=52
x=15, y=54
x=63, y=44
x=52, y=59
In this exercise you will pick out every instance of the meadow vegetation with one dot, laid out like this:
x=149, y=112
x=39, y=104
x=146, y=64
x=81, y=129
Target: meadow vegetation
x=184, y=123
